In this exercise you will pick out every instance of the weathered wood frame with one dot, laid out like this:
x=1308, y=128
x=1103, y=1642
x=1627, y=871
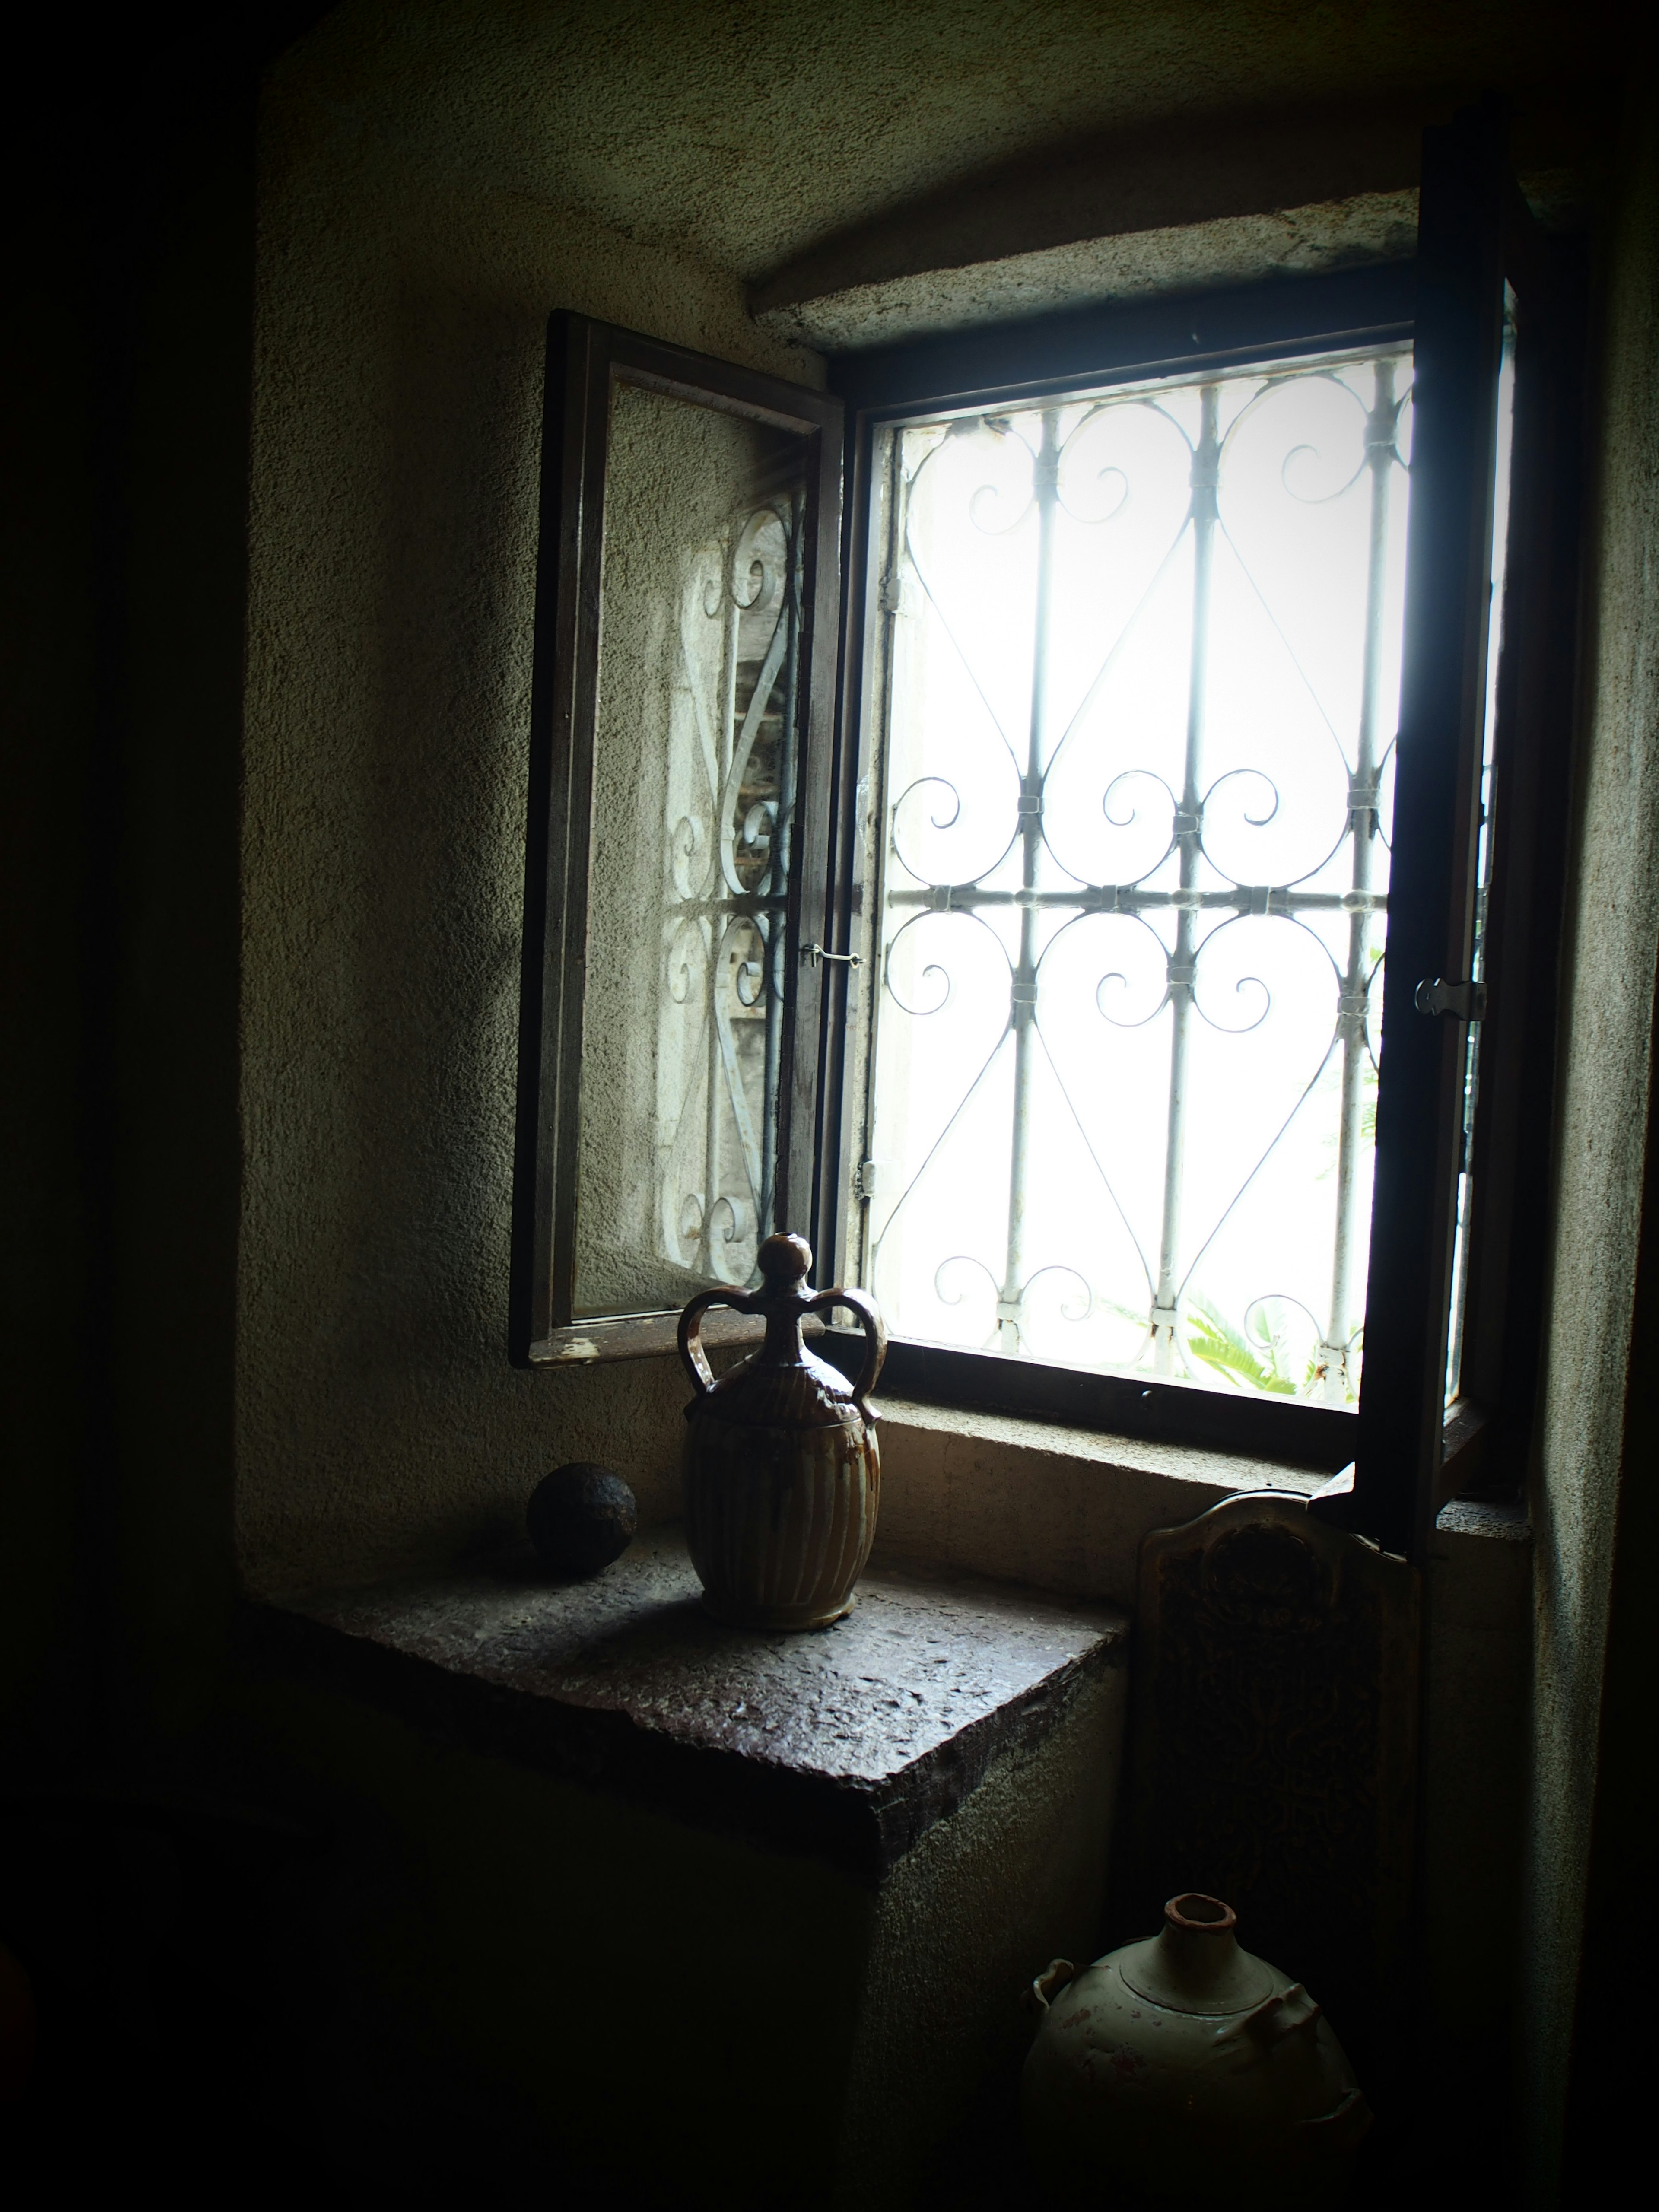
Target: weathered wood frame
x=586, y=360
x=1408, y=1456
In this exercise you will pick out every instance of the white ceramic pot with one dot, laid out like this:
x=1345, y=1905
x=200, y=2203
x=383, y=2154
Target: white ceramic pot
x=1184, y=2071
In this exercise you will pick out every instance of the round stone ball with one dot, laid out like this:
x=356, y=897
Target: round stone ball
x=581, y=1517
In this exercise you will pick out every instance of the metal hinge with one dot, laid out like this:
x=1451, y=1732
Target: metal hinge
x=1465, y=1002
x=871, y=1177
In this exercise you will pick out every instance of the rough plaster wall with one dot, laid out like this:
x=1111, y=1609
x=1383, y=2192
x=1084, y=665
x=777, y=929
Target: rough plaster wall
x=981, y=1903
x=400, y=327
x=1610, y=958
x=751, y=129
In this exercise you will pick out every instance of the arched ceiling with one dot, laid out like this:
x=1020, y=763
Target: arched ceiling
x=779, y=138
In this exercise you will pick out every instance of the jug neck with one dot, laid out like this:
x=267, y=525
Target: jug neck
x=783, y=1299
x=1198, y=1945
x=1195, y=1963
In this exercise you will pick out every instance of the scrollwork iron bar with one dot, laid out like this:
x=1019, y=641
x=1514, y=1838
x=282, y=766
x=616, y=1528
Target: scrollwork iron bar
x=771, y=924
x=1022, y=989
x=1188, y=837
x=724, y=905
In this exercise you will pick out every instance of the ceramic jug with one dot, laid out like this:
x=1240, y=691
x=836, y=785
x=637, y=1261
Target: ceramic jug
x=1183, y=2071
x=782, y=1476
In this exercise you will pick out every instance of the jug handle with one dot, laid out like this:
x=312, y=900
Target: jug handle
x=691, y=1351
x=875, y=1335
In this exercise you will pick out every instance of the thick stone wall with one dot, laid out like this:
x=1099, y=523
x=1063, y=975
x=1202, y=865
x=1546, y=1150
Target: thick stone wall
x=401, y=317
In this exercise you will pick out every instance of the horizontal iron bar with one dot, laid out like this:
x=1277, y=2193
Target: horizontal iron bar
x=760, y=903
x=1126, y=898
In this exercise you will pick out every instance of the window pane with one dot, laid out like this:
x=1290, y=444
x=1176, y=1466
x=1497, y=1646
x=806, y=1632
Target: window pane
x=694, y=756
x=1141, y=683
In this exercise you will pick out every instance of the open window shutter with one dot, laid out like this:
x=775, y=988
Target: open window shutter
x=1420, y=1114
x=643, y=434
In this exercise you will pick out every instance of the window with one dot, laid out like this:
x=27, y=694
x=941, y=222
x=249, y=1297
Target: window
x=1035, y=968
x=1138, y=680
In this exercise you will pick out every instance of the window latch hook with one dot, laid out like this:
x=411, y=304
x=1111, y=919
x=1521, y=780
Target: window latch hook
x=1465, y=1002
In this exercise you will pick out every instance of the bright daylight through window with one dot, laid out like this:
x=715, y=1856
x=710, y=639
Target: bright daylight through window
x=1137, y=687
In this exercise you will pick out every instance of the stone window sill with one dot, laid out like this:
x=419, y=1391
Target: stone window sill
x=1067, y=1509
x=1060, y=1508
x=848, y=1743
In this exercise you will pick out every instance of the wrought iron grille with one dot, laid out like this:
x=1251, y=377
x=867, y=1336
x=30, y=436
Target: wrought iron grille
x=1140, y=679
x=694, y=796
x=730, y=810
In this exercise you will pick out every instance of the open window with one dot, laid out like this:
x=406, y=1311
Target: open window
x=1143, y=986
x=1133, y=678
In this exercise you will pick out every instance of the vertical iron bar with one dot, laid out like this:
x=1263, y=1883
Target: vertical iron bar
x=711, y=1141
x=1188, y=837
x=888, y=580
x=1045, y=481
x=1362, y=824
x=770, y=921
x=711, y=1133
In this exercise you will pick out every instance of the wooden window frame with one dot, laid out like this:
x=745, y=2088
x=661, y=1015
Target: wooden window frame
x=1400, y=1457
x=585, y=359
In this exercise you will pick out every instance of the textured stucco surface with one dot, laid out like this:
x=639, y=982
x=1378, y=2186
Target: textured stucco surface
x=976, y=1909
x=1611, y=942
x=401, y=313
x=748, y=133
x=1298, y=241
